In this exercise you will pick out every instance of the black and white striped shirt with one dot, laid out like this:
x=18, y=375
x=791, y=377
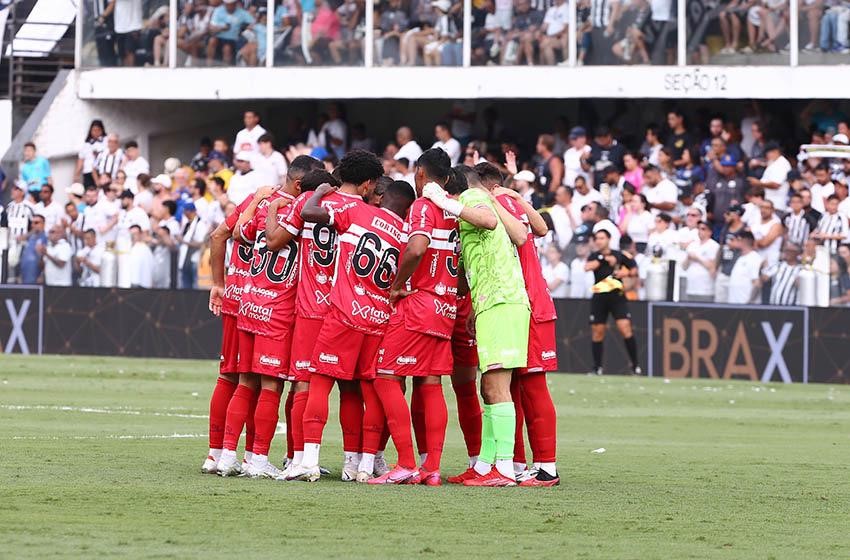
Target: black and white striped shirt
x=832, y=224
x=600, y=12
x=797, y=228
x=783, y=289
x=109, y=163
x=18, y=217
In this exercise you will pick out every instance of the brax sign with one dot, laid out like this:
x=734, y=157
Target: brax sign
x=757, y=343
x=21, y=319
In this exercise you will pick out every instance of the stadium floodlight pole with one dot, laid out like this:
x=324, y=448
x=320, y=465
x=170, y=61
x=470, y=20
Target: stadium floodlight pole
x=269, y=46
x=682, y=23
x=369, y=44
x=572, y=54
x=172, y=33
x=794, y=36
x=78, y=37
x=467, y=33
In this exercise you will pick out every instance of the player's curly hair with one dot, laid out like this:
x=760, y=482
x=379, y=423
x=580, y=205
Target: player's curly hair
x=359, y=166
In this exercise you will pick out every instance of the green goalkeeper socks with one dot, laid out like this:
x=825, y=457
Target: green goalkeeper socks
x=488, y=443
x=503, y=418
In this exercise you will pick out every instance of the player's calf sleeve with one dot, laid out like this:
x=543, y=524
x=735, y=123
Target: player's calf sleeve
x=351, y=420
x=519, y=440
x=417, y=415
x=436, y=417
x=631, y=348
x=287, y=414
x=398, y=419
x=504, y=427
x=488, y=443
x=597, y=347
x=316, y=409
x=469, y=416
x=249, y=423
x=265, y=420
x=236, y=416
x=373, y=418
x=296, y=427
x=219, y=400
x=541, y=417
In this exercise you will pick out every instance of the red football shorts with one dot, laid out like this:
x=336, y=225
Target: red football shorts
x=542, y=353
x=246, y=352
x=229, y=345
x=410, y=353
x=271, y=356
x=343, y=352
x=464, y=351
x=303, y=340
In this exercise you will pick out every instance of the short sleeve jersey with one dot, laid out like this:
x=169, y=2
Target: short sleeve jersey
x=317, y=247
x=237, y=268
x=604, y=274
x=268, y=294
x=370, y=242
x=432, y=309
x=490, y=259
x=542, y=306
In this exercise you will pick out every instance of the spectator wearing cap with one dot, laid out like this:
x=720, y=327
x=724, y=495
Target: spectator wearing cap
x=774, y=180
x=195, y=231
x=225, y=27
x=723, y=180
x=218, y=167
x=245, y=181
x=74, y=195
x=729, y=250
x=88, y=260
x=443, y=133
x=273, y=158
x=576, y=156
x=247, y=139
x=35, y=170
x=524, y=184
x=604, y=151
x=822, y=188
x=108, y=162
x=408, y=147
x=53, y=212
x=133, y=165
x=660, y=192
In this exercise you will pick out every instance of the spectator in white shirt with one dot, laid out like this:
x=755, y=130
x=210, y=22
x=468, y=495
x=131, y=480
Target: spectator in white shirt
x=245, y=181
x=141, y=260
x=774, y=181
x=578, y=152
x=662, y=241
x=582, y=196
x=408, y=148
x=768, y=233
x=52, y=211
x=274, y=158
x=133, y=165
x=581, y=280
x=446, y=143
x=700, y=263
x=822, y=188
x=107, y=209
x=89, y=260
x=689, y=231
x=129, y=216
x=335, y=131
x=191, y=242
x=164, y=243
x=638, y=221
x=555, y=30
x=556, y=273
x=563, y=219
x=745, y=275
x=57, y=258
x=601, y=216
x=247, y=139
x=661, y=193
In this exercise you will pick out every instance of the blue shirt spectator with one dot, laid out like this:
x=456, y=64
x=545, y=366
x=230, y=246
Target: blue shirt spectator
x=234, y=20
x=35, y=170
x=30, y=263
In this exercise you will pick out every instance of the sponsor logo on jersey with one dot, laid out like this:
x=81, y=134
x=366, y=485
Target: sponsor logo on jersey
x=406, y=360
x=269, y=360
x=359, y=290
x=379, y=297
x=232, y=291
x=432, y=270
x=257, y=312
x=246, y=289
x=445, y=309
x=387, y=228
x=548, y=355
x=369, y=313
x=328, y=358
x=271, y=294
x=302, y=364
x=440, y=289
x=322, y=278
x=322, y=298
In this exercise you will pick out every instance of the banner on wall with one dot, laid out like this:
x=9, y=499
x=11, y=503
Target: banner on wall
x=21, y=319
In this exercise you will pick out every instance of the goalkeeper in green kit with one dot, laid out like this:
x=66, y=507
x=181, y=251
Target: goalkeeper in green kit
x=502, y=314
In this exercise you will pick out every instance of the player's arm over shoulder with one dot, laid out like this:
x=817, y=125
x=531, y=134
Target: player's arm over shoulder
x=478, y=210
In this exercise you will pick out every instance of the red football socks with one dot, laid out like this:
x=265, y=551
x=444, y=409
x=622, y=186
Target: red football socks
x=265, y=420
x=237, y=414
x=373, y=418
x=351, y=420
x=249, y=423
x=417, y=415
x=316, y=410
x=541, y=417
x=519, y=440
x=296, y=427
x=218, y=410
x=385, y=436
x=469, y=416
x=398, y=419
x=287, y=414
x=436, y=419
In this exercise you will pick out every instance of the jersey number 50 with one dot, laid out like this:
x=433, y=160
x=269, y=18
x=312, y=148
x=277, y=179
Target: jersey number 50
x=268, y=260
x=367, y=264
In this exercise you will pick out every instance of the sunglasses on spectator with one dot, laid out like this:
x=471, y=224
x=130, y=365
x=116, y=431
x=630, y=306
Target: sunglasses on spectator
x=695, y=214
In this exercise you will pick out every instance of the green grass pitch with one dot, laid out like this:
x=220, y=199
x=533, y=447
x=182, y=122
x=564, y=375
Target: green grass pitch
x=100, y=459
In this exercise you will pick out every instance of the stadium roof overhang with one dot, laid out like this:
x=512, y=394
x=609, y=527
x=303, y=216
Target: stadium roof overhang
x=637, y=82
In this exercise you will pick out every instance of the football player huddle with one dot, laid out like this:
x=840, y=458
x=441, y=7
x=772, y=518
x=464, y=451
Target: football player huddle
x=352, y=280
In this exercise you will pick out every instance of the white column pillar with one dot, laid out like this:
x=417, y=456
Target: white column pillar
x=172, y=33
x=682, y=22
x=572, y=47
x=269, y=46
x=78, y=37
x=467, y=33
x=369, y=39
x=794, y=31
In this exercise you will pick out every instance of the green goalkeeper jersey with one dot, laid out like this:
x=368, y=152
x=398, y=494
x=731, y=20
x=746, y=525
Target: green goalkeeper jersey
x=490, y=258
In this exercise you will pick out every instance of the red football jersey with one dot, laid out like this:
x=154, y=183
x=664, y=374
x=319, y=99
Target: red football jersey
x=542, y=306
x=237, y=268
x=370, y=242
x=433, y=308
x=268, y=295
x=317, y=247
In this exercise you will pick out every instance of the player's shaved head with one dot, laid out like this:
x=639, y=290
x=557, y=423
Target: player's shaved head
x=316, y=177
x=398, y=198
x=489, y=174
x=358, y=167
x=457, y=182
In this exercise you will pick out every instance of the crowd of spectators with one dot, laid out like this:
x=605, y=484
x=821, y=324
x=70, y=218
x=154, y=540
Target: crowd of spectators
x=744, y=217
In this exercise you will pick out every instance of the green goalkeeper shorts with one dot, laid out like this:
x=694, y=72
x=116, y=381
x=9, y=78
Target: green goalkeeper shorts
x=501, y=333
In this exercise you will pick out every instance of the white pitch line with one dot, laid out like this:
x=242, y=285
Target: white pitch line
x=111, y=436
x=90, y=410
